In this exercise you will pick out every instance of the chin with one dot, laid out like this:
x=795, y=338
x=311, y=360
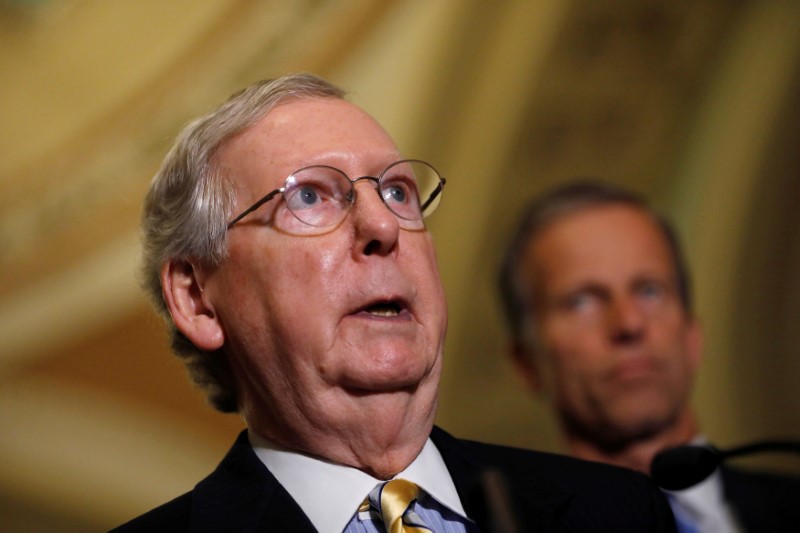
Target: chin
x=382, y=383
x=643, y=427
x=391, y=378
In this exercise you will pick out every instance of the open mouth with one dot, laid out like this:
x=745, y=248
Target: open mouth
x=386, y=309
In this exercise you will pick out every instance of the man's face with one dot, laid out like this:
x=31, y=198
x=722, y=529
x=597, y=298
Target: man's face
x=615, y=349
x=316, y=323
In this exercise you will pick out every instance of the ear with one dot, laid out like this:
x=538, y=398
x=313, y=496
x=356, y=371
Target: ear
x=694, y=342
x=192, y=314
x=526, y=366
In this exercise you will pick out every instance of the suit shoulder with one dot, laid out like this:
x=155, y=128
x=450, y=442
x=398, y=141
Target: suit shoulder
x=764, y=501
x=748, y=487
x=565, y=467
x=530, y=470
x=170, y=516
x=759, y=480
x=581, y=495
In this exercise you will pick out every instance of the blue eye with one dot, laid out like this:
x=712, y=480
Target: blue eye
x=308, y=196
x=651, y=290
x=584, y=301
x=396, y=193
x=578, y=301
x=400, y=194
x=318, y=195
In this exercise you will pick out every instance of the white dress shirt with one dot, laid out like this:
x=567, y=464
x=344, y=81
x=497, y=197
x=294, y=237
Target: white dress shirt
x=330, y=493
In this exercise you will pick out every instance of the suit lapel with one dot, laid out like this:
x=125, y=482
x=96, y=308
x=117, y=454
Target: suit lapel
x=243, y=495
x=537, y=504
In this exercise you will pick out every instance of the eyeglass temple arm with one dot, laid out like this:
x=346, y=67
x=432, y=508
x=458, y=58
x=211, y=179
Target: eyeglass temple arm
x=434, y=194
x=255, y=206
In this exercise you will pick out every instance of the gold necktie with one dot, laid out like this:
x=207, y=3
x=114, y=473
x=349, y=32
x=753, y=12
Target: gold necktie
x=396, y=497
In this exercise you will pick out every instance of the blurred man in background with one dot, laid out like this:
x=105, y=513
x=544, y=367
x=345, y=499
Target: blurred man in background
x=598, y=299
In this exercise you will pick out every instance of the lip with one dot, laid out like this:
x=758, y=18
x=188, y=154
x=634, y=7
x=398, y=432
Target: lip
x=637, y=370
x=374, y=308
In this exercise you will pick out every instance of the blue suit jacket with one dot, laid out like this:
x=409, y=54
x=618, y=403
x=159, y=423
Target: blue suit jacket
x=548, y=492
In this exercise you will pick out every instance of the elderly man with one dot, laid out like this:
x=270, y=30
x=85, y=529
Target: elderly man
x=284, y=240
x=597, y=295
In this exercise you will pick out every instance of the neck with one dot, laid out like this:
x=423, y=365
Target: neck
x=636, y=454
x=380, y=434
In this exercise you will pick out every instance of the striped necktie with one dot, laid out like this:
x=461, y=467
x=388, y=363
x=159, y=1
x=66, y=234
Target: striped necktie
x=395, y=500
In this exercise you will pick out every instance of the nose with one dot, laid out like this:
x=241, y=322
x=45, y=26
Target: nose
x=376, y=228
x=627, y=320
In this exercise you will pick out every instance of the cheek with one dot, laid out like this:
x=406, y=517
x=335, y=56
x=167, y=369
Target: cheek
x=681, y=364
x=327, y=260
x=422, y=258
x=276, y=291
x=672, y=343
x=309, y=268
x=430, y=288
x=573, y=346
x=575, y=355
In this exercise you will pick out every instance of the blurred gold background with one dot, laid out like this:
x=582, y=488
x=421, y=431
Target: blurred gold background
x=694, y=103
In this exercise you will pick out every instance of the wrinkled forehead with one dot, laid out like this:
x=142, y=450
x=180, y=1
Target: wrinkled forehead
x=609, y=241
x=304, y=132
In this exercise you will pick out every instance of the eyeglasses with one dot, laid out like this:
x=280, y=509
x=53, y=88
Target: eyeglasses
x=320, y=195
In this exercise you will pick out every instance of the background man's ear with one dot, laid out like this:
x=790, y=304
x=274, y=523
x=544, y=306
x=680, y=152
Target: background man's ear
x=526, y=366
x=191, y=313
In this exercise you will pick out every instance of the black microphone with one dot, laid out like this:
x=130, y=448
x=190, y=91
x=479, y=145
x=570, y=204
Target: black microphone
x=683, y=466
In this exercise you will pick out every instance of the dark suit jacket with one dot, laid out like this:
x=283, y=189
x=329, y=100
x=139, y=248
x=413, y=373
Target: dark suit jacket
x=549, y=493
x=761, y=501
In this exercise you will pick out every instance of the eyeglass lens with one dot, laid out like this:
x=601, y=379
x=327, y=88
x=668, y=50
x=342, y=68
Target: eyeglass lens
x=321, y=195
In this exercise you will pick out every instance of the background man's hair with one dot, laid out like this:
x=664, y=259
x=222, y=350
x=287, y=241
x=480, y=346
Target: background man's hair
x=517, y=298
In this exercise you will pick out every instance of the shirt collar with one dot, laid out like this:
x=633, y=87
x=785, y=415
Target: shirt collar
x=705, y=494
x=705, y=502
x=330, y=494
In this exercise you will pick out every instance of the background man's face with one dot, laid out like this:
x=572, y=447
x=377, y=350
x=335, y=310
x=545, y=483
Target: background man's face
x=314, y=323
x=615, y=351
